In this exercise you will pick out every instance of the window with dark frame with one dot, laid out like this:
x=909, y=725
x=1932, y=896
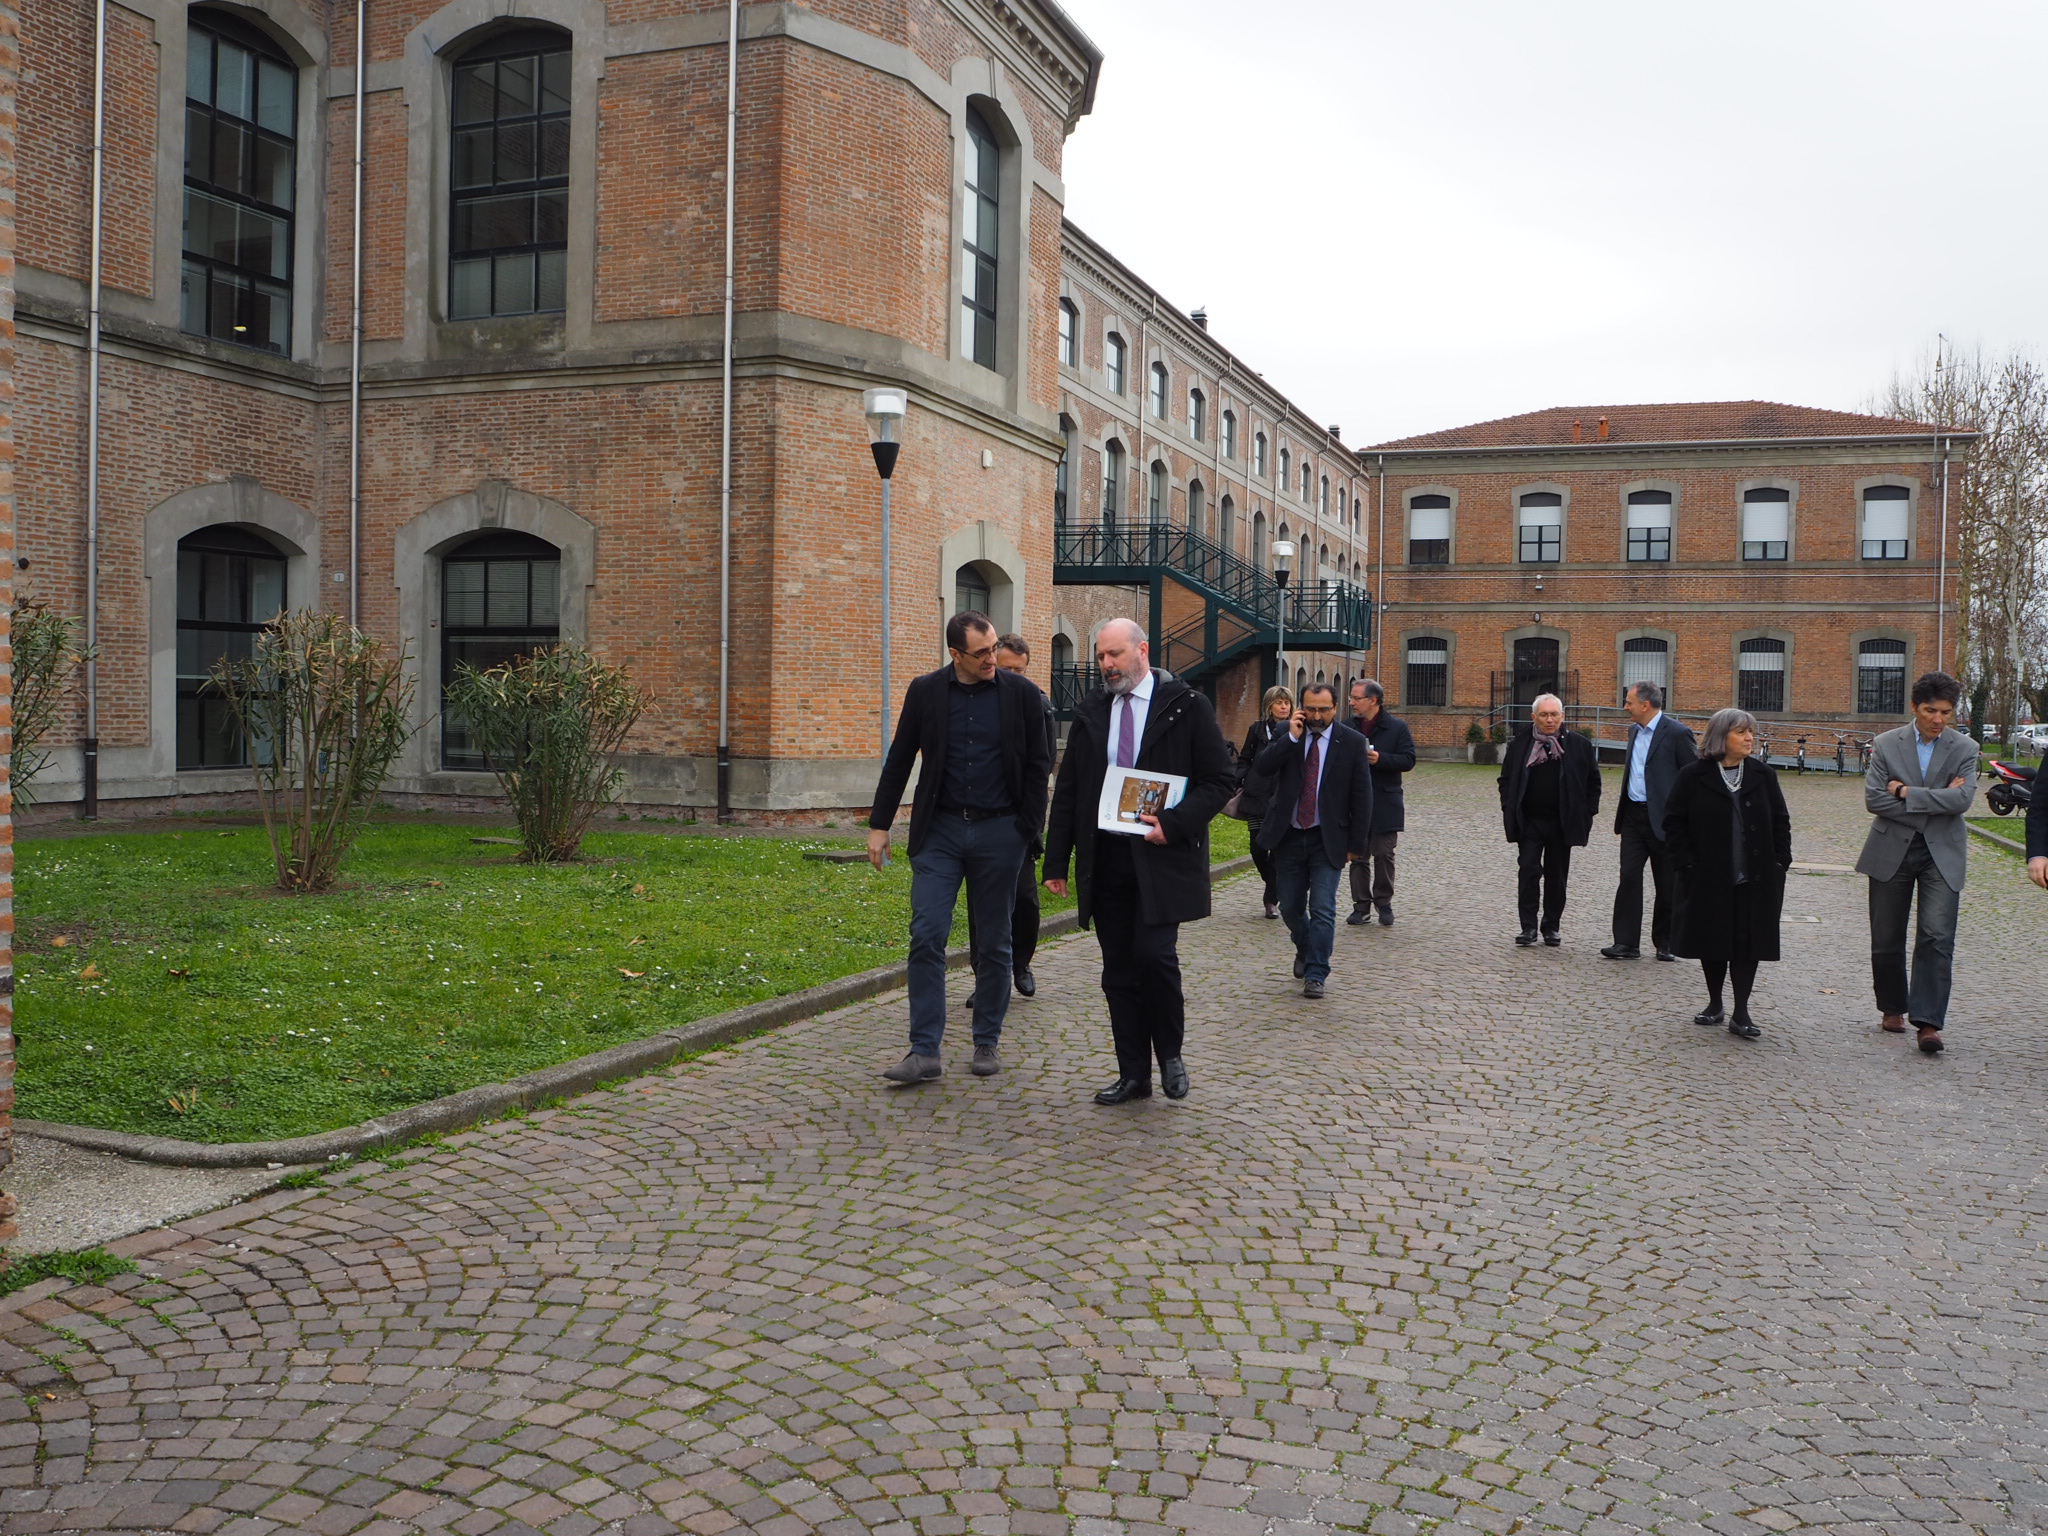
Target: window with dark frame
x=1112, y=481
x=1767, y=524
x=1886, y=522
x=241, y=172
x=500, y=600
x=1760, y=676
x=1649, y=525
x=1429, y=530
x=1258, y=453
x=508, y=217
x=1070, y=334
x=230, y=584
x=1230, y=434
x=1114, y=355
x=981, y=208
x=1159, y=385
x=1429, y=672
x=1539, y=527
x=970, y=590
x=1881, y=677
x=1198, y=414
x=1156, y=507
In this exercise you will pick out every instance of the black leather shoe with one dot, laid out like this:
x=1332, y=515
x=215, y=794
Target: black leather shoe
x=1173, y=1077
x=1123, y=1090
x=1710, y=1016
x=1272, y=909
x=1665, y=954
x=1526, y=938
x=1386, y=914
x=1311, y=988
x=1743, y=1029
x=1027, y=984
x=1300, y=966
x=1552, y=937
x=1359, y=917
x=1622, y=952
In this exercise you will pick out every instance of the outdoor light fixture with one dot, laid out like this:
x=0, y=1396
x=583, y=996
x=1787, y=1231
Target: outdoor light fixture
x=1283, y=561
x=885, y=410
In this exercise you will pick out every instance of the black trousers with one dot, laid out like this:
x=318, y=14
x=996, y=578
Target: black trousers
x=1639, y=847
x=1140, y=964
x=1262, y=861
x=1023, y=921
x=1542, y=873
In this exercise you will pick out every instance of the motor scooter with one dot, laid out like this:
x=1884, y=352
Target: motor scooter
x=2012, y=788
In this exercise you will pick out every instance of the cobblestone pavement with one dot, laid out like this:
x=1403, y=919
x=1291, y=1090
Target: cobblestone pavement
x=1490, y=1240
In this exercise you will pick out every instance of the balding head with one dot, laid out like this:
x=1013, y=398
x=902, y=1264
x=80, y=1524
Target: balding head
x=1122, y=654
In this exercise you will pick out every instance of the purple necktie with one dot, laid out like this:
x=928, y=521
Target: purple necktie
x=1126, y=746
x=1305, y=809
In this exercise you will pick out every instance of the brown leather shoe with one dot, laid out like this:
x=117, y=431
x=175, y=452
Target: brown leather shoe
x=1894, y=1024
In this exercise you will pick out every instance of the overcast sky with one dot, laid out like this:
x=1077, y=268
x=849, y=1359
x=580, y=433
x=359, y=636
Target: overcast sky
x=1411, y=217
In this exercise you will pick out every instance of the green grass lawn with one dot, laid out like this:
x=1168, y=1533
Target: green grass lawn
x=163, y=987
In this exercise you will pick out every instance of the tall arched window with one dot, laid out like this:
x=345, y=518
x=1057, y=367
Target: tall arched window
x=230, y=584
x=1062, y=652
x=241, y=173
x=508, y=222
x=1115, y=360
x=1155, y=507
x=1306, y=475
x=1062, y=475
x=1649, y=525
x=1766, y=524
x=981, y=209
x=1760, y=675
x=970, y=589
x=1258, y=550
x=1159, y=384
x=1070, y=334
x=1343, y=506
x=1258, y=453
x=1429, y=530
x=1226, y=522
x=1112, y=481
x=1198, y=512
x=1881, y=677
x=500, y=599
x=1230, y=434
x=1198, y=414
x=1646, y=659
x=1323, y=496
x=1286, y=466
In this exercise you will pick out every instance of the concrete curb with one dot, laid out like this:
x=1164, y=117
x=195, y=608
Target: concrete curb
x=471, y=1105
x=1990, y=836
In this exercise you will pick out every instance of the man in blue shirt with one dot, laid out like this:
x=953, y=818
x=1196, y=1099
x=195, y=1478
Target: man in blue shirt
x=1658, y=747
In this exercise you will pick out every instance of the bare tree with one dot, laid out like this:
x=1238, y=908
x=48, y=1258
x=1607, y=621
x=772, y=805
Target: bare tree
x=2001, y=508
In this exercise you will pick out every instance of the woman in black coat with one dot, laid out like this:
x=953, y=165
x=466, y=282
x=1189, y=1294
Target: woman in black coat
x=1255, y=789
x=1730, y=838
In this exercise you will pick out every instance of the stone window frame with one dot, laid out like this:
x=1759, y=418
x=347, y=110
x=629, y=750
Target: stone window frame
x=1159, y=492
x=1226, y=433
x=240, y=502
x=1648, y=632
x=1676, y=492
x=1538, y=630
x=1449, y=635
x=1070, y=341
x=1563, y=493
x=1769, y=483
x=1881, y=632
x=1198, y=414
x=1791, y=653
x=1262, y=455
x=1115, y=379
x=997, y=559
x=1408, y=496
x=1196, y=503
x=1913, y=540
x=1110, y=508
x=1158, y=388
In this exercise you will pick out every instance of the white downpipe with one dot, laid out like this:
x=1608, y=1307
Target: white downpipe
x=355, y=343
x=1379, y=614
x=90, y=806
x=1941, y=577
x=732, y=129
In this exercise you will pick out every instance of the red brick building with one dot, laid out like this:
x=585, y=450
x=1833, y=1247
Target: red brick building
x=538, y=451
x=1793, y=561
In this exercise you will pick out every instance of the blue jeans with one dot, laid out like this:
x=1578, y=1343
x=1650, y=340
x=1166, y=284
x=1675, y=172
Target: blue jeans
x=1924, y=998
x=986, y=854
x=1307, y=883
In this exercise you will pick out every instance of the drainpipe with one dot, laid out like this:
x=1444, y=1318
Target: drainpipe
x=355, y=339
x=89, y=809
x=1379, y=618
x=1941, y=578
x=732, y=128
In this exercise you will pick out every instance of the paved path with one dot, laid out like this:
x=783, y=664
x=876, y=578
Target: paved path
x=1490, y=1240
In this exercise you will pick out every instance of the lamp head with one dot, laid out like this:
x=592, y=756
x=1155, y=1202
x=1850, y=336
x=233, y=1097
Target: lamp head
x=885, y=410
x=1283, y=559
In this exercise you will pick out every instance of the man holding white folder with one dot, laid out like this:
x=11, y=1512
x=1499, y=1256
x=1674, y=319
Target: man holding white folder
x=1140, y=875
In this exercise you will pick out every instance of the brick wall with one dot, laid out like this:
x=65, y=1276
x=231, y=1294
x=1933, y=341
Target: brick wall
x=10, y=60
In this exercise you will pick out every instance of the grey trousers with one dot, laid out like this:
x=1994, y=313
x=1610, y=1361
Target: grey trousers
x=1923, y=998
x=1372, y=877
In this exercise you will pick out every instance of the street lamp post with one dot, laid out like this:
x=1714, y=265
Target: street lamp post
x=1283, y=561
x=885, y=410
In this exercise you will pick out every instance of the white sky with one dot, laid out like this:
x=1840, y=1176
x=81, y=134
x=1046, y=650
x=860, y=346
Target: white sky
x=1410, y=217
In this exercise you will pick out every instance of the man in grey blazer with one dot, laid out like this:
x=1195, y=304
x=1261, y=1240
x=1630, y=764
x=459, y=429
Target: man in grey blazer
x=1922, y=778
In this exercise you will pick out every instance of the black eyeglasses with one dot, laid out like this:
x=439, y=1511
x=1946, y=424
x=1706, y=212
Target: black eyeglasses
x=981, y=655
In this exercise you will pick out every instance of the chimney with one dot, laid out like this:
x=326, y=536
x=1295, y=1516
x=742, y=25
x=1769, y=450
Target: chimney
x=1201, y=318
x=1578, y=431
x=1337, y=432
x=1603, y=429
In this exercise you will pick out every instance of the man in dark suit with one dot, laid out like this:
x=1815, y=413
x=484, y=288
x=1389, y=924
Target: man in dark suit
x=1137, y=891
x=2037, y=829
x=1320, y=818
x=1549, y=794
x=980, y=802
x=1658, y=746
x=1013, y=654
x=1390, y=748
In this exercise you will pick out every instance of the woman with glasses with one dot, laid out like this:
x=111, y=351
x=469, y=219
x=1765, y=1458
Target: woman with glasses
x=1255, y=789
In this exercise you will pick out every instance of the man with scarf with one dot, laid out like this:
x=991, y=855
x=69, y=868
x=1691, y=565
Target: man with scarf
x=1549, y=795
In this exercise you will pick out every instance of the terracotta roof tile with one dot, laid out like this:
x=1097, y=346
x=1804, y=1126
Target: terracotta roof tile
x=1702, y=421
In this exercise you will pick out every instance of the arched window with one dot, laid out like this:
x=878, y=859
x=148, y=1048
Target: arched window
x=1429, y=671
x=1197, y=510
x=1885, y=522
x=979, y=243
x=230, y=584
x=1112, y=481
x=1115, y=355
x=1306, y=475
x=508, y=224
x=1063, y=472
x=500, y=599
x=1760, y=675
x=1258, y=453
x=1766, y=524
x=1258, y=551
x=1343, y=506
x=1286, y=466
x=1323, y=496
x=1539, y=523
x=1159, y=383
x=1646, y=659
x=1226, y=520
x=1156, y=508
x=241, y=174
x=970, y=589
x=1649, y=525
x=1230, y=434
x=1198, y=414
x=1881, y=677
x=1429, y=530
x=1070, y=334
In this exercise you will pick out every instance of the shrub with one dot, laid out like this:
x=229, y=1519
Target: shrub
x=550, y=725
x=44, y=661
x=323, y=709
x=1475, y=733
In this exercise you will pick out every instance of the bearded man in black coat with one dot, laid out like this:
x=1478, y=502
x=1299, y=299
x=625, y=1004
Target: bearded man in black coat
x=1137, y=891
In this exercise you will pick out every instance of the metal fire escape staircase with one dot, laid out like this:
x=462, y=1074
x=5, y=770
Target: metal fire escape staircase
x=1208, y=606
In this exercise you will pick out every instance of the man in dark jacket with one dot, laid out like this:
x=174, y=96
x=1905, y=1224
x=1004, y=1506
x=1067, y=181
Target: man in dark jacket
x=1319, y=819
x=980, y=802
x=2037, y=830
x=1137, y=891
x=1391, y=752
x=1658, y=747
x=1549, y=794
x=1013, y=654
